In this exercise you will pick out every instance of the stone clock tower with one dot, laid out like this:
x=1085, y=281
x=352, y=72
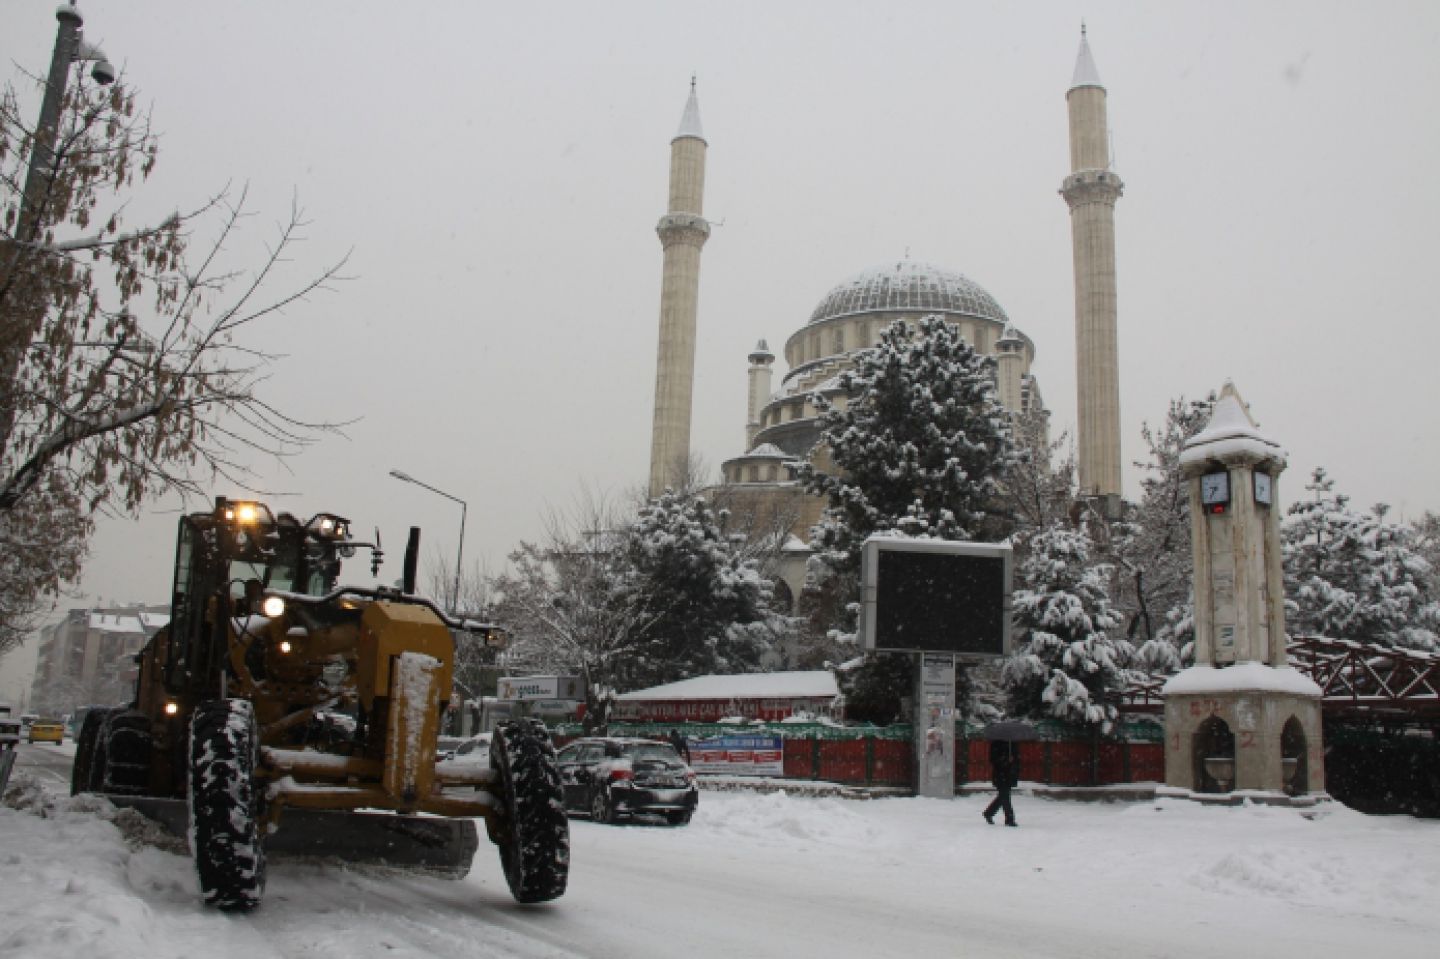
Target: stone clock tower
x=1240, y=718
x=683, y=231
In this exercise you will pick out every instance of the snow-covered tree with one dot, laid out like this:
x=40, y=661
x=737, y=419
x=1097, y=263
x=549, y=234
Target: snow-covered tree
x=1038, y=488
x=919, y=445
x=1150, y=547
x=567, y=605
x=1352, y=575
x=705, y=601
x=1068, y=665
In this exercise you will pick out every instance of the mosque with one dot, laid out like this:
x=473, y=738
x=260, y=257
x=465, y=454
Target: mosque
x=782, y=426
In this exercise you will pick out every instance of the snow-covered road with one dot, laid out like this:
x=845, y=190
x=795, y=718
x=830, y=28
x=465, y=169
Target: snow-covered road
x=770, y=875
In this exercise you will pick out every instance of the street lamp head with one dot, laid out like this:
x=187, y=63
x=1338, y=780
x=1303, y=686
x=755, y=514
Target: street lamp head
x=103, y=72
x=404, y=477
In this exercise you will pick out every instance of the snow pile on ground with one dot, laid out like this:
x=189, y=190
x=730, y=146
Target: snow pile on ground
x=761, y=875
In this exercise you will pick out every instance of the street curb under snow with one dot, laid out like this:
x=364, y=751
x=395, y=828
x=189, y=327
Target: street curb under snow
x=1118, y=792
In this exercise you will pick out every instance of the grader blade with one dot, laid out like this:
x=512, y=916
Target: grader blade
x=431, y=845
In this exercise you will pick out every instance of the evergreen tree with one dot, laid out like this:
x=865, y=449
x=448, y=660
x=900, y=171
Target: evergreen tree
x=1068, y=665
x=918, y=448
x=707, y=605
x=1351, y=575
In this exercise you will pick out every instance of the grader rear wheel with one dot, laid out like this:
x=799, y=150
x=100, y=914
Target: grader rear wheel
x=87, y=772
x=533, y=834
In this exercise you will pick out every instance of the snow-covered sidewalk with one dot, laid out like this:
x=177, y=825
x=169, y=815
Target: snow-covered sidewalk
x=775, y=875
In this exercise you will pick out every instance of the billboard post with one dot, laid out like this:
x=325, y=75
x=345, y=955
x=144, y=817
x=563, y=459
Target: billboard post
x=947, y=602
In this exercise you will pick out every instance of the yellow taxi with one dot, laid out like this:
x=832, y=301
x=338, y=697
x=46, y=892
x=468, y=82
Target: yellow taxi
x=47, y=731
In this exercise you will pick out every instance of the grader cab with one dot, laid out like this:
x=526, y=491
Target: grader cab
x=276, y=705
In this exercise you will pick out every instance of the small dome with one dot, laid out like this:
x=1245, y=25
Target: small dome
x=912, y=286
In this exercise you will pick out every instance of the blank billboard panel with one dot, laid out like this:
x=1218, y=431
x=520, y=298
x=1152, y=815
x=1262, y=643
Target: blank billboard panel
x=936, y=596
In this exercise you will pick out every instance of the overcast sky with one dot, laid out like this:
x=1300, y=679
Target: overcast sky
x=496, y=172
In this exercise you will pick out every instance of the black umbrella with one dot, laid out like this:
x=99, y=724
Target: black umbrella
x=1011, y=731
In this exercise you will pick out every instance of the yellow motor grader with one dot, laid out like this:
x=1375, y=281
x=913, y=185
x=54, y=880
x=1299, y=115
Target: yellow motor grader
x=281, y=713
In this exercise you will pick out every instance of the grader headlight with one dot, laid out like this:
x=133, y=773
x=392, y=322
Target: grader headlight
x=245, y=513
x=328, y=526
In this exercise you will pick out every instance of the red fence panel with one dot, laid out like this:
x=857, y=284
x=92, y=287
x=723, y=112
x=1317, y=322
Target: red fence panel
x=1111, y=765
x=800, y=759
x=1034, y=762
x=842, y=761
x=892, y=762
x=1147, y=762
x=1070, y=764
x=977, y=756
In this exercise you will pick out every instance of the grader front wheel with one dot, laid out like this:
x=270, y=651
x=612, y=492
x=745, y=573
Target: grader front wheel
x=533, y=834
x=225, y=831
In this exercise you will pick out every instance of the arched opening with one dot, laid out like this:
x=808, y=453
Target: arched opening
x=1214, y=746
x=1293, y=773
x=782, y=597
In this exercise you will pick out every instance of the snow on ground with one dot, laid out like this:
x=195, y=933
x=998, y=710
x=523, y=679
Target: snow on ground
x=773, y=875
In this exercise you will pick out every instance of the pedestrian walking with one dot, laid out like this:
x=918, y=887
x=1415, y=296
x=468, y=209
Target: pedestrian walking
x=681, y=745
x=1005, y=774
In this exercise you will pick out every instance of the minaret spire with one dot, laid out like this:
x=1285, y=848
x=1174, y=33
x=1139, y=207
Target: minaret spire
x=1091, y=190
x=1085, y=73
x=683, y=231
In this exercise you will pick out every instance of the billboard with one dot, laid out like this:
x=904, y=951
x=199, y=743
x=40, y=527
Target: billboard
x=936, y=596
x=511, y=688
x=742, y=755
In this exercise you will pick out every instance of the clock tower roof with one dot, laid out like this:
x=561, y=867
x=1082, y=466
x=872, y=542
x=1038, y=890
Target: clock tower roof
x=1231, y=434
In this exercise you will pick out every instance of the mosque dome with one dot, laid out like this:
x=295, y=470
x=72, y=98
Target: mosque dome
x=908, y=285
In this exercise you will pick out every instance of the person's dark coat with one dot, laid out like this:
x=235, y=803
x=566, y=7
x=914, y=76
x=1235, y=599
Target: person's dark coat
x=1004, y=764
x=681, y=746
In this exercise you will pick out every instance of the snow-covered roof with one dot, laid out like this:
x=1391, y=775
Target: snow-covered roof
x=794, y=544
x=1242, y=677
x=1085, y=73
x=690, y=121
x=115, y=623
x=771, y=451
x=814, y=683
x=1231, y=434
x=908, y=285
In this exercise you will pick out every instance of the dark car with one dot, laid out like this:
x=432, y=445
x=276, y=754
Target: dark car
x=610, y=778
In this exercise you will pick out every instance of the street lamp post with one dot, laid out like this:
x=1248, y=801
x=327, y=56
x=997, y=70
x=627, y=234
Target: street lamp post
x=459, y=553
x=70, y=47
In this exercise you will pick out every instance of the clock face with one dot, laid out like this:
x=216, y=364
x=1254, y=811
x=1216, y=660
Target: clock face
x=1262, y=488
x=1215, y=488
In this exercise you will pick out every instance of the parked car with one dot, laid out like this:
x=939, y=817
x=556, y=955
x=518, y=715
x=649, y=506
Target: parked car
x=473, y=749
x=610, y=778
x=9, y=727
x=47, y=731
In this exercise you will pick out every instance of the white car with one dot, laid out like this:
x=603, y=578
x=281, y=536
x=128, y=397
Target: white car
x=474, y=750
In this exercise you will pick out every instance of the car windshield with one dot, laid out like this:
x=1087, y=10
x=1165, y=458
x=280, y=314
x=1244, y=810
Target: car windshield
x=660, y=751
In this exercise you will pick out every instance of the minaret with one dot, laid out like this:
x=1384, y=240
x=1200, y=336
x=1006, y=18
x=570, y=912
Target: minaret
x=760, y=374
x=1010, y=374
x=683, y=231
x=1091, y=190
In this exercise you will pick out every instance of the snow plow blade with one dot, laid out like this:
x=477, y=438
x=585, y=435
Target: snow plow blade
x=428, y=844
